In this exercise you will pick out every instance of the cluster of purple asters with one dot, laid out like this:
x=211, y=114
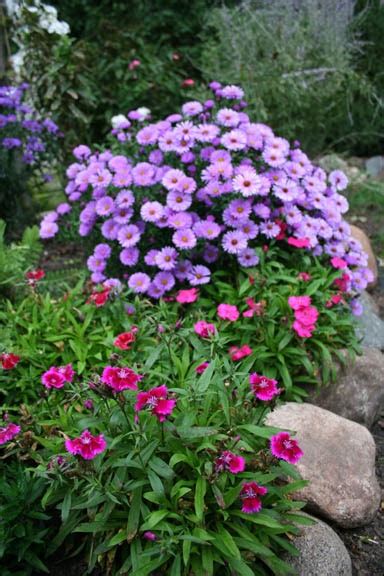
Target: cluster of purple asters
x=198, y=188
x=20, y=126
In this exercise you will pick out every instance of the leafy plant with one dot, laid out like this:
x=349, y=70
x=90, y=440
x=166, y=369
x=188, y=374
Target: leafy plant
x=16, y=259
x=299, y=64
x=24, y=526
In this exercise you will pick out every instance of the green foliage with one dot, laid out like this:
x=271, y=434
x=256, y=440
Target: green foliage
x=299, y=66
x=158, y=477
x=16, y=259
x=24, y=528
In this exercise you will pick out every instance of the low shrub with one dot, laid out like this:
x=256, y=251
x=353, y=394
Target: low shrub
x=149, y=437
x=28, y=145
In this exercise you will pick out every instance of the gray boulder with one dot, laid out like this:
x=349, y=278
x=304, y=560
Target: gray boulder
x=338, y=462
x=370, y=325
x=358, y=393
x=322, y=552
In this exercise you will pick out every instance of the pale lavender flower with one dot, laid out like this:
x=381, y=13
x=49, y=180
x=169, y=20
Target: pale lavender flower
x=129, y=235
x=234, y=242
x=270, y=229
x=139, y=282
x=166, y=258
x=151, y=211
x=164, y=281
x=105, y=206
x=199, y=275
x=184, y=239
x=102, y=251
x=129, y=256
x=248, y=258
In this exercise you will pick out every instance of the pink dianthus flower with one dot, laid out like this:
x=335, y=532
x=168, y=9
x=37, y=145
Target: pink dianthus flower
x=263, y=388
x=156, y=399
x=228, y=312
x=204, y=329
x=250, y=495
x=229, y=461
x=286, y=448
x=86, y=446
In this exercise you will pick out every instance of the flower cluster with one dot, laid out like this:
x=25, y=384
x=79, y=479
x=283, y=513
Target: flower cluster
x=56, y=377
x=8, y=432
x=9, y=361
x=305, y=315
x=181, y=195
x=21, y=128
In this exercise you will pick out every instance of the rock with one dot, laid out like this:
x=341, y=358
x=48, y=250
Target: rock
x=338, y=462
x=370, y=325
x=322, y=552
x=375, y=166
x=358, y=234
x=358, y=393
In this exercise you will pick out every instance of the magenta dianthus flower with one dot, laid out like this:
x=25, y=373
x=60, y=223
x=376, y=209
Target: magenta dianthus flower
x=157, y=400
x=286, y=448
x=86, y=445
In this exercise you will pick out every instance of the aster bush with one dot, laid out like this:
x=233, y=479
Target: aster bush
x=28, y=145
x=148, y=438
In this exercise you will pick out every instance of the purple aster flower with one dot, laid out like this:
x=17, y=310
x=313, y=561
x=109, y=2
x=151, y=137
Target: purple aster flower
x=172, y=179
x=207, y=229
x=180, y=220
x=147, y=136
x=125, y=198
x=248, y=258
x=235, y=242
x=128, y=235
x=234, y=140
x=143, y=174
x=151, y=211
x=164, y=280
x=199, y=275
x=356, y=307
x=178, y=201
x=10, y=143
x=97, y=277
x=100, y=178
x=129, y=256
x=105, y=206
x=183, y=268
x=338, y=180
x=192, y=108
x=240, y=209
x=139, y=282
x=155, y=291
x=270, y=229
x=249, y=228
x=166, y=258
x=102, y=251
x=96, y=264
x=156, y=157
x=81, y=152
x=228, y=118
x=48, y=230
x=123, y=178
x=211, y=253
x=247, y=182
x=232, y=92
x=184, y=239
x=150, y=257
x=206, y=133
x=262, y=211
x=63, y=208
x=109, y=229
x=286, y=190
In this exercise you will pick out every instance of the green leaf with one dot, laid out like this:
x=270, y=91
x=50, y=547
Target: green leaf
x=117, y=538
x=154, y=518
x=186, y=551
x=242, y=569
x=260, y=518
x=207, y=561
x=176, y=566
x=195, y=432
x=66, y=506
x=161, y=468
x=204, y=380
x=134, y=514
x=261, y=431
x=201, y=487
x=225, y=543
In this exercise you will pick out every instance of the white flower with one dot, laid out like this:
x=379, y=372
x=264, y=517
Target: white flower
x=117, y=120
x=144, y=113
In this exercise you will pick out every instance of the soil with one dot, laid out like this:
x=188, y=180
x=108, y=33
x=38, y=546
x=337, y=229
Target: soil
x=366, y=544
